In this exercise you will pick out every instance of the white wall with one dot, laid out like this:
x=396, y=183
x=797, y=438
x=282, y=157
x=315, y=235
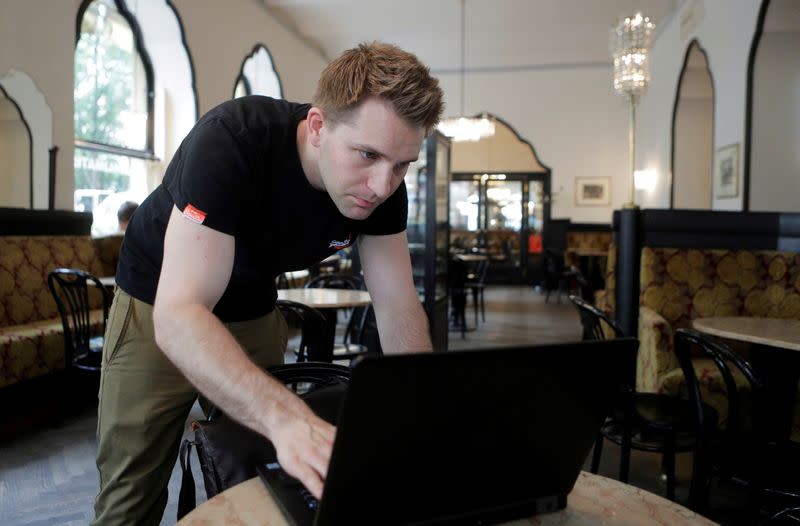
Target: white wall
x=775, y=150
x=725, y=32
x=221, y=34
x=38, y=38
x=570, y=115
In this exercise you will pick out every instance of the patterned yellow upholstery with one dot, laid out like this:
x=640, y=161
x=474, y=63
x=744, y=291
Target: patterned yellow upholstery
x=679, y=285
x=578, y=240
x=31, y=339
x=604, y=299
x=108, y=253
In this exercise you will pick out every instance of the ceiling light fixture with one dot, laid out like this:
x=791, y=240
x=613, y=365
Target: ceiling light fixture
x=463, y=128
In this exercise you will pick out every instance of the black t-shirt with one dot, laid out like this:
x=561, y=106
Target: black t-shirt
x=240, y=171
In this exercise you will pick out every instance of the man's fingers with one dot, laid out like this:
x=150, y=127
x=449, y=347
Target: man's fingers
x=310, y=478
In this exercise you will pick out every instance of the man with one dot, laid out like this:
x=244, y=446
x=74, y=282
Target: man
x=258, y=187
x=124, y=214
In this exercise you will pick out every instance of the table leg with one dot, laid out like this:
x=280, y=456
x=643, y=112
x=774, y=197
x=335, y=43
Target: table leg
x=330, y=325
x=780, y=371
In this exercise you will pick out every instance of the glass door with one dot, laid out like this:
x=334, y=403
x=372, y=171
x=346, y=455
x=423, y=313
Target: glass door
x=503, y=220
x=502, y=215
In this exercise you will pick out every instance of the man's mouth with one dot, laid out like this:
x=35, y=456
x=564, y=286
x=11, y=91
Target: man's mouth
x=363, y=203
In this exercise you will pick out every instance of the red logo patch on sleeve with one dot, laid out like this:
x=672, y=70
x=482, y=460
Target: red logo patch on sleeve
x=193, y=214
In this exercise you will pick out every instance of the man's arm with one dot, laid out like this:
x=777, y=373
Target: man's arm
x=195, y=272
x=402, y=323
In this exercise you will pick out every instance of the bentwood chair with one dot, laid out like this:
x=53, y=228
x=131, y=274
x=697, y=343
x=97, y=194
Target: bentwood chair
x=313, y=327
x=360, y=321
x=72, y=291
x=742, y=454
x=649, y=422
x=558, y=276
x=476, y=282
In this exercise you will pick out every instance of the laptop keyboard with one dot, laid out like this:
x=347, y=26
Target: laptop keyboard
x=289, y=491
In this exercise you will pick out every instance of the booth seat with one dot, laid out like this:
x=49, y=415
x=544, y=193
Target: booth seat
x=679, y=285
x=31, y=334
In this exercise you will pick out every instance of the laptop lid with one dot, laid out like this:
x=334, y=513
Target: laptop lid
x=469, y=437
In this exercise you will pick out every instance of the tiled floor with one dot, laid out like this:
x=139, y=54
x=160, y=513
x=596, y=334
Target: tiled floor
x=47, y=475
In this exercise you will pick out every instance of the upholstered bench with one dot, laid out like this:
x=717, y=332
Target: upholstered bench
x=679, y=285
x=31, y=334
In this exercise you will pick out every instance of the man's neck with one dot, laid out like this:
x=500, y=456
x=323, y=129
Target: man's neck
x=309, y=158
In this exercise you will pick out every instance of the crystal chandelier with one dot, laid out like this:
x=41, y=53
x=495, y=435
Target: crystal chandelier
x=630, y=44
x=464, y=128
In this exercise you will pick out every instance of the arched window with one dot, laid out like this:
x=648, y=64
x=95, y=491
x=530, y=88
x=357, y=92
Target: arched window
x=113, y=96
x=257, y=75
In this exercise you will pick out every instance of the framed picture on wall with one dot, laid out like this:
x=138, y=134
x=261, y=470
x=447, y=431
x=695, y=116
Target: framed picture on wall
x=726, y=171
x=592, y=191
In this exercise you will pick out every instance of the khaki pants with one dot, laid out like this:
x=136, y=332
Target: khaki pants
x=144, y=403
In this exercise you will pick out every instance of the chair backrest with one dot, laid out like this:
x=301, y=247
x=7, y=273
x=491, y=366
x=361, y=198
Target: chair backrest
x=70, y=289
x=312, y=330
x=688, y=339
x=592, y=320
x=482, y=269
x=335, y=281
x=687, y=342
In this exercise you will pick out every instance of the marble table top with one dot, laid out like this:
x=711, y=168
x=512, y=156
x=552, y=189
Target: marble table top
x=595, y=500
x=326, y=298
x=774, y=332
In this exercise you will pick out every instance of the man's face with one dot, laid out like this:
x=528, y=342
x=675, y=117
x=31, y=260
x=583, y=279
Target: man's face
x=364, y=157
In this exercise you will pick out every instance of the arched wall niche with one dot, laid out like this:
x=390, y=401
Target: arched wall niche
x=772, y=133
x=257, y=75
x=504, y=152
x=693, y=133
x=15, y=156
x=37, y=116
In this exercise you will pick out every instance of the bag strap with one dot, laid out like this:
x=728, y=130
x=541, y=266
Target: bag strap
x=187, y=498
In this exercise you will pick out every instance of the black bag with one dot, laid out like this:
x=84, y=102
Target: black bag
x=229, y=452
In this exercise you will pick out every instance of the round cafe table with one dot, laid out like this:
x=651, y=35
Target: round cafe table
x=327, y=301
x=595, y=500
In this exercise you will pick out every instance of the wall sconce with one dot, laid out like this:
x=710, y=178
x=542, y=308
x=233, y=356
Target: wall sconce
x=644, y=180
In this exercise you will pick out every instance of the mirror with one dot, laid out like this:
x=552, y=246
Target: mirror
x=15, y=156
x=693, y=133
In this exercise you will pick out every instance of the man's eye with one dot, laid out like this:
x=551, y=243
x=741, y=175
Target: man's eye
x=368, y=156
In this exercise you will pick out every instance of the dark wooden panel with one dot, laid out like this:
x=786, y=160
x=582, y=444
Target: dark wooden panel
x=26, y=222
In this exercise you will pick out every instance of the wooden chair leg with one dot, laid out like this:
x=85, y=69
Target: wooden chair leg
x=475, y=304
x=483, y=306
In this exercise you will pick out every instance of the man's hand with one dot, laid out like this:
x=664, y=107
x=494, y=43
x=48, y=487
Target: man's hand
x=304, y=444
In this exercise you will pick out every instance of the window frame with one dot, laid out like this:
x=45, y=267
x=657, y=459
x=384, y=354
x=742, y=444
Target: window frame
x=148, y=152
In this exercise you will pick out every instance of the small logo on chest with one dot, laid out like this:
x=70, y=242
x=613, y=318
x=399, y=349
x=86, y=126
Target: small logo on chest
x=341, y=244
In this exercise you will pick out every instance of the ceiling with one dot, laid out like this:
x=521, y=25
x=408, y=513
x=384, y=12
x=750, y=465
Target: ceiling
x=500, y=35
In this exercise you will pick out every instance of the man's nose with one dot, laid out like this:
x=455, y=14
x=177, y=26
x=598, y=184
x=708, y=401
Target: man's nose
x=380, y=182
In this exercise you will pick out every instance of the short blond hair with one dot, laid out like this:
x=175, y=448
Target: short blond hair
x=386, y=71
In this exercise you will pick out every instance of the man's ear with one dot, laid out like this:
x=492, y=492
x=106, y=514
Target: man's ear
x=315, y=120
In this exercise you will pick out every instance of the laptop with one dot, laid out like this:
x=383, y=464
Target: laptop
x=461, y=437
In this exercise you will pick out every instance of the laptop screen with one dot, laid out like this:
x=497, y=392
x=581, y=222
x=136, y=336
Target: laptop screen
x=469, y=437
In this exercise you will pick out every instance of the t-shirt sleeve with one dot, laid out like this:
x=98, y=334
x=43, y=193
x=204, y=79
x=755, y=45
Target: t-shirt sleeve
x=390, y=217
x=209, y=180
